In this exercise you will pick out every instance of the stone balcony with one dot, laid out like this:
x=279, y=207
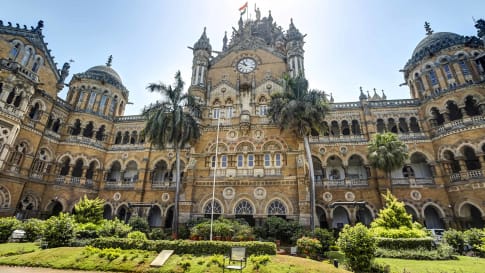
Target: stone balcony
x=468, y=175
x=457, y=125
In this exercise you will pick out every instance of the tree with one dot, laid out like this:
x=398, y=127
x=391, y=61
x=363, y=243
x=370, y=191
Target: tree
x=301, y=111
x=89, y=210
x=171, y=122
x=359, y=246
x=386, y=152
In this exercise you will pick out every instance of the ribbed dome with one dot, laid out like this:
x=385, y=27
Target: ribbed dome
x=105, y=70
x=438, y=40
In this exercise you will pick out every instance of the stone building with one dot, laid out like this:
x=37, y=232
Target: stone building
x=54, y=151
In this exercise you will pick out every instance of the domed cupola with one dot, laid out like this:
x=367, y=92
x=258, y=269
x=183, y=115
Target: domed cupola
x=99, y=90
x=203, y=43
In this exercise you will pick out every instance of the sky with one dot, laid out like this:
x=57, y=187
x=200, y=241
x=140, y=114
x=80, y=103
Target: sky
x=349, y=43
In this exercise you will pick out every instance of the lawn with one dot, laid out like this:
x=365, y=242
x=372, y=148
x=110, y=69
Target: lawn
x=139, y=261
x=463, y=264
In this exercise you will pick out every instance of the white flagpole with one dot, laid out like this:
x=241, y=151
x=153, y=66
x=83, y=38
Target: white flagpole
x=215, y=171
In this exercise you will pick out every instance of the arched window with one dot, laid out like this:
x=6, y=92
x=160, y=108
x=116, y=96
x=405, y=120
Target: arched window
x=448, y=73
x=26, y=58
x=326, y=130
x=92, y=99
x=250, y=160
x=432, y=78
x=345, y=128
x=391, y=126
x=420, y=166
x=126, y=137
x=277, y=160
x=37, y=64
x=35, y=111
x=160, y=172
x=317, y=169
x=240, y=161
x=471, y=106
x=224, y=161
x=88, y=130
x=56, y=125
x=11, y=96
x=380, y=126
x=102, y=104
x=76, y=128
x=454, y=111
x=276, y=208
x=335, y=131
x=100, y=133
x=114, y=173
x=131, y=172
x=464, y=68
x=414, y=125
x=437, y=116
x=451, y=165
x=90, y=170
x=14, y=51
x=208, y=208
x=17, y=100
x=471, y=160
x=244, y=207
x=18, y=154
x=356, y=168
x=134, y=137
x=419, y=83
x=355, y=127
x=112, y=106
x=118, y=138
x=65, y=166
x=77, y=171
x=403, y=126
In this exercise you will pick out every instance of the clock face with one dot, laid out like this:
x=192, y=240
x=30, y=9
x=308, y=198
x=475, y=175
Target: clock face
x=246, y=65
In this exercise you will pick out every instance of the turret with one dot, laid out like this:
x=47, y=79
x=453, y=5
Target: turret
x=202, y=52
x=294, y=51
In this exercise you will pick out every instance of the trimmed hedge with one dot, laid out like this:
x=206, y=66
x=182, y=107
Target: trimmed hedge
x=187, y=247
x=406, y=243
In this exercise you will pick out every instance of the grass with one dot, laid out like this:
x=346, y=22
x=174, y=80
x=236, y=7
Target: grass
x=463, y=264
x=89, y=258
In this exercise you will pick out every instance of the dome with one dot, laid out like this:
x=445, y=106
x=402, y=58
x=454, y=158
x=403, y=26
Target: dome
x=439, y=40
x=104, y=70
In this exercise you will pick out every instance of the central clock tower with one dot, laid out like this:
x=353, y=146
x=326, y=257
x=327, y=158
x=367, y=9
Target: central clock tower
x=239, y=147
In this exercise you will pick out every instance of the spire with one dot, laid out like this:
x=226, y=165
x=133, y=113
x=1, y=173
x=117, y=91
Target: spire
x=331, y=98
x=270, y=18
x=110, y=60
x=362, y=95
x=293, y=33
x=376, y=96
x=203, y=42
x=224, y=41
x=384, y=97
x=428, y=29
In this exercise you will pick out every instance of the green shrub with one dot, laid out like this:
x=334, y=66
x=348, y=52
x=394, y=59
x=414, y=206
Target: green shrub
x=406, y=243
x=359, y=246
x=59, y=230
x=34, y=229
x=455, y=239
x=309, y=247
x=259, y=261
x=224, y=228
x=7, y=226
x=137, y=235
x=442, y=252
x=86, y=231
x=114, y=228
x=277, y=228
x=325, y=237
x=89, y=210
x=186, y=247
x=157, y=234
x=473, y=238
x=139, y=223
x=401, y=232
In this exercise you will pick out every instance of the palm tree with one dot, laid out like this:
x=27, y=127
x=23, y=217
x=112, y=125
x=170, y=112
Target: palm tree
x=301, y=111
x=386, y=152
x=172, y=123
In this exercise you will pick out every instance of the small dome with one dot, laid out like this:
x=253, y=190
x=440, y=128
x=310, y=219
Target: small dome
x=439, y=40
x=105, y=70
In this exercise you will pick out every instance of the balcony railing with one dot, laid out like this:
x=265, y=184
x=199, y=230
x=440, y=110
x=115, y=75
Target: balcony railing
x=272, y=172
x=163, y=184
x=467, y=175
x=412, y=180
x=450, y=126
x=120, y=184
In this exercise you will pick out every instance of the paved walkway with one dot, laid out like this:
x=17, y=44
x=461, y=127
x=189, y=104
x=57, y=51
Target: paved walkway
x=20, y=269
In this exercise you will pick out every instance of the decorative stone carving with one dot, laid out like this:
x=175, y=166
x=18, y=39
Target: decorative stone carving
x=259, y=193
x=117, y=196
x=327, y=196
x=349, y=196
x=165, y=196
x=229, y=193
x=415, y=195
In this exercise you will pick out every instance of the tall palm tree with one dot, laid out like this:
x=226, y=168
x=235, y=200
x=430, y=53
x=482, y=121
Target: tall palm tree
x=172, y=123
x=387, y=153
x=301, y=111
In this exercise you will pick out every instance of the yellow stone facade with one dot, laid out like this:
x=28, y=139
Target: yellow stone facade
x=54, y=151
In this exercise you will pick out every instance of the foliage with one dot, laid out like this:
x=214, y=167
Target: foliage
x=442, y=252
x=34, y=228
x=279, y=229
x=309, y=247
x=7, y=226
x=259, y=261
x=394, y=222
x=137, y=235
x=139, y=223
x=86, y=230
x=473, y=238
x=172, y=121
x=386, y=152
x=114, y=228
x=224, y=228
x=157, y=234
x=89, y=210
x=406, y=243
x=59, y=230
x=456, y=239
x=325, y=237
x=359, y=246
x=187, y=247
x=460, y=264
x=11, y=249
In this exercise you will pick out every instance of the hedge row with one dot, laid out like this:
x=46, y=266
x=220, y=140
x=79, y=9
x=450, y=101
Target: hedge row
x=406, y=243
x=186, y=247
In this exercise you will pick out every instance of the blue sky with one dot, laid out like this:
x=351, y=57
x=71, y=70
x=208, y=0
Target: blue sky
x=349, y=43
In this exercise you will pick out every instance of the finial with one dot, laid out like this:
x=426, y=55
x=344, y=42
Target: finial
x=368, y=94
x=40, y=25
x=362, y=95
x=428, y=29
x=224, y=41
x=291, y=21
x=110, y=60
x=331, y=97
x=375, y=92
x=384, y=97
x=204, y=29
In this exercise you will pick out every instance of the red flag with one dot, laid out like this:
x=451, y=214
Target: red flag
x=243, y=8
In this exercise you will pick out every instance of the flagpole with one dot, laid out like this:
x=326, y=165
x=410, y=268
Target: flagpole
x=215, y=171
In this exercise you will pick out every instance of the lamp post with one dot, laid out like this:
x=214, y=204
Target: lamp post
x=214, y=176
